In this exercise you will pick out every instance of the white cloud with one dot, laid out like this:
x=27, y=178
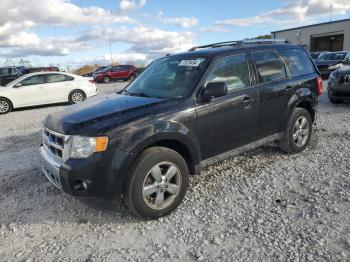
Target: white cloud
x=293, y=12
x=185, y=22
x=214, y=28
x=127, y=5
x=18, y=19
x=144, y=39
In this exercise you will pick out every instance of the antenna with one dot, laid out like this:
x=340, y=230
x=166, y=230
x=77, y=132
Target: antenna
x=110, y=50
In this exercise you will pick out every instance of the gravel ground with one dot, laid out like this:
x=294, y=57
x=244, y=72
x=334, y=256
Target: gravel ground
x=263, y=205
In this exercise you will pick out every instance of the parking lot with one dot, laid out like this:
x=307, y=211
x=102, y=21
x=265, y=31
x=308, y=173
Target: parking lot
x=263, y=205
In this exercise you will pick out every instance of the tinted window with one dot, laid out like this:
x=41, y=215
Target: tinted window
x=69, y=78
x=33, y=80
x=332, y=56
x=232, y=70
x=269, y=66
x=5, y=71
x=298, y=62
x=53, y=78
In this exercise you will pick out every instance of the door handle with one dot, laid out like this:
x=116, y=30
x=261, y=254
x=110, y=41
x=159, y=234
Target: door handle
x=246, y=100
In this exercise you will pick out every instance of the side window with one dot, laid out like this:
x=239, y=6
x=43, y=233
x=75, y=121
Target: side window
x=233, y=70
x=116, y=69
x=54, y=78
x=33, y=80
x=69, y=78
x=269, y=66
x=298, y=62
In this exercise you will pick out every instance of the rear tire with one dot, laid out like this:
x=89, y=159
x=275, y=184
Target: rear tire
x=5, y=106
x=157, y=184
x=76, y=96
x=298, y=132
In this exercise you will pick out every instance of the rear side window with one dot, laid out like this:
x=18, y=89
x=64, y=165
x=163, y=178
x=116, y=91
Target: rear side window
x=53, y=78
x=269, y=66
x=69, y=78
x=298, y=62
x=233, y=70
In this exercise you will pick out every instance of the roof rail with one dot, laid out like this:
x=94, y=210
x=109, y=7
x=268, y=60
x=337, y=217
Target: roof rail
x=242, y=42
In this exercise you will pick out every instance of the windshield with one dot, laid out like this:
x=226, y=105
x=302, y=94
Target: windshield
x=5, y=71
x=332, y=56
x=169, y=77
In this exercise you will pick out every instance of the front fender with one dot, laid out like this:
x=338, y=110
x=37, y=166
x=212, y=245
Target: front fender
x=143, y=137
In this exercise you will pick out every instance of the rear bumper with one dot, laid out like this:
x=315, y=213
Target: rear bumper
x=99, y=176
x=339, y=91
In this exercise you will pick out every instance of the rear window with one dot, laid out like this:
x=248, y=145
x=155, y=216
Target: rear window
x=332, y=56
x=298, y=62
x=269, y=66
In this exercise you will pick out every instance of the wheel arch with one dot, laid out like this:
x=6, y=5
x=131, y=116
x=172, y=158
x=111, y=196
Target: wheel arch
x=303, y=98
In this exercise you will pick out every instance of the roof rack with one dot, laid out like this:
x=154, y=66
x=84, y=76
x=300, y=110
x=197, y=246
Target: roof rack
x=242, y=42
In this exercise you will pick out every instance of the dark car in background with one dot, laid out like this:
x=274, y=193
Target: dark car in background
x=329, y=62
x=339, y=84
x=10, y=73
x=120, y=72
x=100, y=69
x=316, y=55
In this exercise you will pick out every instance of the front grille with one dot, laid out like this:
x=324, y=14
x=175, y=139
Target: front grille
x=54, y=142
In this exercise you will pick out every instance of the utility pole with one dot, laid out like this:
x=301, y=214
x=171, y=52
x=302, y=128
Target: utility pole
x=110, y=50
x=331, y=12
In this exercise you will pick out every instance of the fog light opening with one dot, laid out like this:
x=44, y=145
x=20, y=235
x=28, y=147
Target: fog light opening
x=80, y=185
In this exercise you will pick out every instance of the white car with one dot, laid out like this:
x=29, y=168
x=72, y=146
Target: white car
x=45, y=88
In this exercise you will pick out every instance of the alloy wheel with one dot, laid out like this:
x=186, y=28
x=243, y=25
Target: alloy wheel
x=77, y=97
x=162, y=185
x=301, y=131
x=4, y=106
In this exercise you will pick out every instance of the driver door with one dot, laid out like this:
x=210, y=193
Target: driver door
x=232, y=120
x=30, y=92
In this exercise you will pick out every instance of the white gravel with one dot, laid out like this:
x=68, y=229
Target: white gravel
x=263, y=205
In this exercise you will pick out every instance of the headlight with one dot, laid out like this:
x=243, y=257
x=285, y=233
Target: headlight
x=83, y=147
x=335, y=67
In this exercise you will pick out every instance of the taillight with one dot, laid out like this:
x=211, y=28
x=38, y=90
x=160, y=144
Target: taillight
x=92, y=81
x=319, y=86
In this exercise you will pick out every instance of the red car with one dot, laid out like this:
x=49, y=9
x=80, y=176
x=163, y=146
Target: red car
x=121, y=72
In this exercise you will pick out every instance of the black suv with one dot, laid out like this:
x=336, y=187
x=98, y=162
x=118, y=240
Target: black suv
x=181, y=114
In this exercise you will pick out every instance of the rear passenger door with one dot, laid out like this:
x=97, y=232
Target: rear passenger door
x=57, y=87
x=236, y=114
x=273, y=85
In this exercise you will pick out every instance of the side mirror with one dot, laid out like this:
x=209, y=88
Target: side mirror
x=214, y=90
x=17, y=85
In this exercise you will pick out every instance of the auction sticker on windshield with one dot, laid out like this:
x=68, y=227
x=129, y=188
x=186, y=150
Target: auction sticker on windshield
x=193, y=63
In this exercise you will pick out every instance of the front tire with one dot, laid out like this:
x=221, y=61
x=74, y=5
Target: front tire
x=157, y=184
x=298, y=132
x=76, y=96
x=5, y=106
x=106, y=80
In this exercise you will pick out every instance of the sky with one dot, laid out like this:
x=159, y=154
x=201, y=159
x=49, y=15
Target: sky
x=77, y=32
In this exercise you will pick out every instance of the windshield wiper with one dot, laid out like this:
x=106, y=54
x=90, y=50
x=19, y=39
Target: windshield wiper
x=141, y=94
